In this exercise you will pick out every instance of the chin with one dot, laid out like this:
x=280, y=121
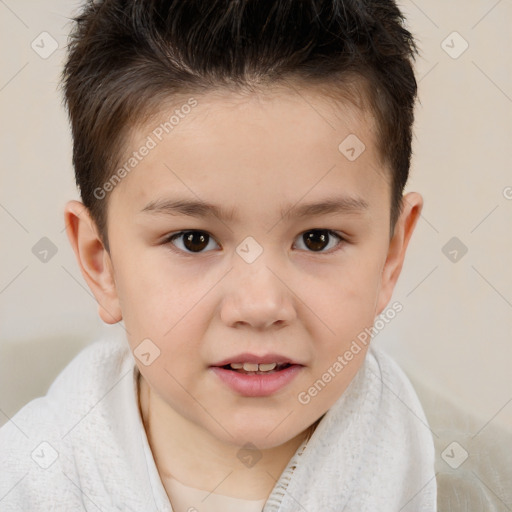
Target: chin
x=263, y=435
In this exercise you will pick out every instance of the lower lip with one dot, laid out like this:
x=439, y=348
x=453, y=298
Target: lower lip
x=257, y=385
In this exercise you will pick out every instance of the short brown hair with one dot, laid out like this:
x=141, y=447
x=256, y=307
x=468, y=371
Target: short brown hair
x=126, y=58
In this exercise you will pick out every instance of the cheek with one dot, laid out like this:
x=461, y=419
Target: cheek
x=155, y=296
x=348, y=296
x=346, y=309
x=169, y=309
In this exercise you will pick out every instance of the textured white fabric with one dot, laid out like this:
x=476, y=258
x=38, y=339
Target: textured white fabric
x=473, y=456
x=83, y=446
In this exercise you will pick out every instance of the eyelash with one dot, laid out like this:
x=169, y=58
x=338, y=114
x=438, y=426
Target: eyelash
x=173, y=236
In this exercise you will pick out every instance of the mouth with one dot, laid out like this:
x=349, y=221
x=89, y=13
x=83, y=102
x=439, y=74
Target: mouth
x=257, y=380
x=255, y=368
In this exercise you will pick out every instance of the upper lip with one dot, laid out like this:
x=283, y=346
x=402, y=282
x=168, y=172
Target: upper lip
x=246, y=357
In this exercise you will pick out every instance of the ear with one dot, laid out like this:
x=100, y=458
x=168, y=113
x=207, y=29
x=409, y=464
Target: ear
x=93, y=259
x=412, y=206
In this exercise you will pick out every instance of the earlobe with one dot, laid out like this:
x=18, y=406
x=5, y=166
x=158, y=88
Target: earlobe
x=412, y=206
x=93, y=259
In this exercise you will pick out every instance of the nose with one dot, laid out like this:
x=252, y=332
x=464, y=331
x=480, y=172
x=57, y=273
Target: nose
x=256, y=295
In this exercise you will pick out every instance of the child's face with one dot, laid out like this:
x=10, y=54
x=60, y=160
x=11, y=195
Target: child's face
x=306, y=299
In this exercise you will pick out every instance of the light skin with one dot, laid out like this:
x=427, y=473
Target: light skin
x=253, y=156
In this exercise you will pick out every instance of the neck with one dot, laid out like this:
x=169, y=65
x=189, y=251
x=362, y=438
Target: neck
x=184, y=451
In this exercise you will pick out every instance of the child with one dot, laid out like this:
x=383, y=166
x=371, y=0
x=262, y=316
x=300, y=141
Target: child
x=241, y=166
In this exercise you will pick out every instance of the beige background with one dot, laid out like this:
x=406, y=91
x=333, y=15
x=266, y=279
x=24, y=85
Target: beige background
x=455, y=332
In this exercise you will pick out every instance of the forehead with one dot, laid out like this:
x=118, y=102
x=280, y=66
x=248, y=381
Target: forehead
x=274, y=144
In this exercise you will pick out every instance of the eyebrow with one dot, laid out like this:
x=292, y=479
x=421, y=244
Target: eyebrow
x=201, y=209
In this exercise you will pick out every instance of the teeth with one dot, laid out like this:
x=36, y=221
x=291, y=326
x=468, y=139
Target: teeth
x=253, y=367
x=267, y=367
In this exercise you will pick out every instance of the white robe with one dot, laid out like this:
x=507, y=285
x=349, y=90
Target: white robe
x=83, y=446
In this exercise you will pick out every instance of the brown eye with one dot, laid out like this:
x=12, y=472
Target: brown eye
x=316, y=240
x=192, y=241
